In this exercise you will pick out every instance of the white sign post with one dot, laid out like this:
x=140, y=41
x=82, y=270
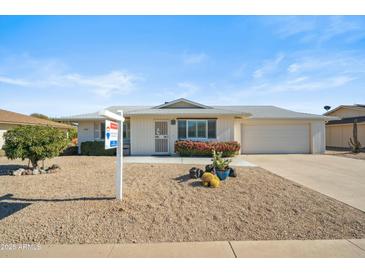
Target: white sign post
x=114, y=138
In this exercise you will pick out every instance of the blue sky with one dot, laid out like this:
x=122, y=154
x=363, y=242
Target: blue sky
x=61, y=65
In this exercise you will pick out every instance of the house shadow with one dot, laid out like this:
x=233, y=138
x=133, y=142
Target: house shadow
x=183, y=178
x=196, y=184
x=7, y=209
x=10, y=197
x=5, y=170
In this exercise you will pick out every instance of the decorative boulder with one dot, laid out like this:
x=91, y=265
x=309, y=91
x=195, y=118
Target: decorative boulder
x=18, y=172
x=35, y=171
x=195, y=173
x=200, y=172
x=210, y=168
x=232, y=172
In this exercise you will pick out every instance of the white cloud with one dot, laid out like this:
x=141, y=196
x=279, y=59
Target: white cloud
x=194, y=58
x=269, y=66
x=14, y=81
x=115, y=82
x=294, y=67
x=300, y=84
x=287, y=26
x=313, y=29
x=42, y=74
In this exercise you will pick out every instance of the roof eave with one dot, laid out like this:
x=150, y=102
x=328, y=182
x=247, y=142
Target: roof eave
x=324, y=118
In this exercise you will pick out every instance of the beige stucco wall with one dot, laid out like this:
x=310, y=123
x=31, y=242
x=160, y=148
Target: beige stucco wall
x=142, y=132
x=317, y=137
x=3, y=129
x=348, y=112
x=228, y=129
x=85, y=132
x=339, y=135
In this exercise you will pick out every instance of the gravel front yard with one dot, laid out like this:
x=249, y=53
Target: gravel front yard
x=161, y=204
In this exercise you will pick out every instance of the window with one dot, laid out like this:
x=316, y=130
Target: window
x=102, y=130
x=99, y=131
x=126, y=130
x=196, y=129
x=192, y=129
x=212, y=129
x=201, y=128
x=181, y=129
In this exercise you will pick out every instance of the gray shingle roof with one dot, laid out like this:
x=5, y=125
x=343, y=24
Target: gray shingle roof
x=272, y=112
x=254, y=112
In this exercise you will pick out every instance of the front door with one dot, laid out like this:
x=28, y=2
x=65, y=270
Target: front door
x=161, y=137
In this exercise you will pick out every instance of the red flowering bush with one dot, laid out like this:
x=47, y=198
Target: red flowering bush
x=197, y=148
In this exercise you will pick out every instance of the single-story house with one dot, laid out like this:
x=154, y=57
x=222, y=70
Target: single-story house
x=153, y=130
x=9, y=119
x=339, y=132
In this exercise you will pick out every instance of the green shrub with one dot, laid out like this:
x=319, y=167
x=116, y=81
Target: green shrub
x=197, y=148
x=35, y=143
x=70, y=150
x=96, y=148
x=72, y=133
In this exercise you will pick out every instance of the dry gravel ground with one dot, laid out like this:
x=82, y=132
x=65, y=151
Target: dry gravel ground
x=162, y=204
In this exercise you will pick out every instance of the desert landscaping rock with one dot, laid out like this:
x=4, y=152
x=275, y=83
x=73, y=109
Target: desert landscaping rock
x=36, y=171
x=18, y=172
x=77, y=205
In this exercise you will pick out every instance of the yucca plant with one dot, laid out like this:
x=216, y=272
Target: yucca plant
x=354, y=142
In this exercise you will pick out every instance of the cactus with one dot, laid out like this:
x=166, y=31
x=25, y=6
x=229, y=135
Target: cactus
x=354, y=142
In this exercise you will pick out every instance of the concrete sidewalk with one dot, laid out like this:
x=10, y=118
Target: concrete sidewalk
x=236, y=161
x=354, y=248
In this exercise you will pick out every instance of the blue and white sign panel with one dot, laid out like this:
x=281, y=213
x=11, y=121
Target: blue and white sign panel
x=111, y=134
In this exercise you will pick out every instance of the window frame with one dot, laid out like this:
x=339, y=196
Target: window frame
x=196, y=129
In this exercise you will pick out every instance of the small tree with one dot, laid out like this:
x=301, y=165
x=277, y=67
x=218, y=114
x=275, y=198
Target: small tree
x=72, y=133
x=40, y=116
x=35, y=143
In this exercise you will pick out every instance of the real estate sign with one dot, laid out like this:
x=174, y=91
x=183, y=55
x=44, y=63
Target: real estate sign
x=111, y=134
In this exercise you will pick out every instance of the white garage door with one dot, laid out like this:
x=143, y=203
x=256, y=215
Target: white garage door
x=275, y=139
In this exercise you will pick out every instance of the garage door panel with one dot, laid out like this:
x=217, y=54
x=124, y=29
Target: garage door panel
x=275, y=139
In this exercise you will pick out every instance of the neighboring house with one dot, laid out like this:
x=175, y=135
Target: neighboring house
x=339, y=132
x=9, y=119
x=259, y=129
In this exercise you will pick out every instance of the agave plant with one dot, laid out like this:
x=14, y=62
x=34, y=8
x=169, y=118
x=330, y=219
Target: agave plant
x=218, y=162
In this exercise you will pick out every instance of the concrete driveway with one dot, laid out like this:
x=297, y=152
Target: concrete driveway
x=338, y=177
